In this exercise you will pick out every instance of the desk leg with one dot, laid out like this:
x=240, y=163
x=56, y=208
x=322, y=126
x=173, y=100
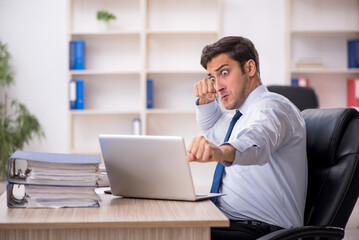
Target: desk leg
x=107, y=233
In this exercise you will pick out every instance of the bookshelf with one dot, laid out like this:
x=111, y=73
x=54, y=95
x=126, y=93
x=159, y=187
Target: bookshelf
x=150, y=39
x=320, y=29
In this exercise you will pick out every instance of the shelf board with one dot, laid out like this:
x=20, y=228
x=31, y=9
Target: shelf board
x=104, y=72
x=178, y=71
x=105, y=33
x=324, y=32
x=327, y=70
x=149, y=32
x=191, y=32
x=155, y=111
x=88, y=112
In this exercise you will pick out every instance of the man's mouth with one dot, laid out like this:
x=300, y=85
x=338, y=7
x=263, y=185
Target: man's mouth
x=225, y=97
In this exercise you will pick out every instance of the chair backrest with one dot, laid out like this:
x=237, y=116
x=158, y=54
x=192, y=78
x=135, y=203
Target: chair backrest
x=302, y=97
x=333, y=165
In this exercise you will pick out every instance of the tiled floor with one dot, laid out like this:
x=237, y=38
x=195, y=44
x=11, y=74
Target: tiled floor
x=351, y=232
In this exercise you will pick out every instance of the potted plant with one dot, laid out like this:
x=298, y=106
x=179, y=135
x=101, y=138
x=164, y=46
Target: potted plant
x=17, y=125
x=104, y=18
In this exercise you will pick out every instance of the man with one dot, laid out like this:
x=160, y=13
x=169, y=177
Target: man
x=262, y=164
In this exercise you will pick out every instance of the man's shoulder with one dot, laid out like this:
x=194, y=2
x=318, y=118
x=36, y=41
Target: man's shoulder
x=273, y=99
x=278, y=103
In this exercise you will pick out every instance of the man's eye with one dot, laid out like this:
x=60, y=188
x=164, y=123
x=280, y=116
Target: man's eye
x=224, y=72
x=212, y=79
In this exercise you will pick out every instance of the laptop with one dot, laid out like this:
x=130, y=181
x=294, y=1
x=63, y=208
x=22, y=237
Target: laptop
x=152, y=167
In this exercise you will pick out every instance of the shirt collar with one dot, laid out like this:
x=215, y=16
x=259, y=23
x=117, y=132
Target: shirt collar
x=252, y=97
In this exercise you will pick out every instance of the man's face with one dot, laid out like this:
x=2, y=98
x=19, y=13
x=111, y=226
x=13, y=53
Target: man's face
x=232, y=85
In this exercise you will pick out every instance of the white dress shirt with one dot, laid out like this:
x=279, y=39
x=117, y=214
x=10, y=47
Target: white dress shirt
x=268, y=179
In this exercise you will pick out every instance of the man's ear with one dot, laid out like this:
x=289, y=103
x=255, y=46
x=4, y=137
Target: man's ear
x=251, y=67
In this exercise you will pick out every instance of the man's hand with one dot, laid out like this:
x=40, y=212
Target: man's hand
x=202, y=150
x=205, y=91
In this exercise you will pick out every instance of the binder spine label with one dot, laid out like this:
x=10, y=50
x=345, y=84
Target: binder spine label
x=72, y=94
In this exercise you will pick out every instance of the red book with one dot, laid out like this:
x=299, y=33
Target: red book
x=353, y=92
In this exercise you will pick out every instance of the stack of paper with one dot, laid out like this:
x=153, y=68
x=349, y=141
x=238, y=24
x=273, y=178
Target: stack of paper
x=309, y=63
x=37, y=179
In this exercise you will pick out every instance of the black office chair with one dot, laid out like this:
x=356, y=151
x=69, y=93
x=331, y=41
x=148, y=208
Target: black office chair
x=302, y=97
x=333, y=174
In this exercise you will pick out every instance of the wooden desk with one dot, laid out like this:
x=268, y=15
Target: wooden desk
x=117, y=218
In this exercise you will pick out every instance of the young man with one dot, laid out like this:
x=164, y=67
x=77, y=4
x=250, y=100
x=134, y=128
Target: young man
x=262, y=163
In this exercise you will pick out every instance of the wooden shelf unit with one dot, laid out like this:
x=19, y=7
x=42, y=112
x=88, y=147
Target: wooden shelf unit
x=320, y=29
x=160, y=40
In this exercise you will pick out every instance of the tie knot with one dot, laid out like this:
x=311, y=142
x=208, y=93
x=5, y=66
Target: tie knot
x=237, y=115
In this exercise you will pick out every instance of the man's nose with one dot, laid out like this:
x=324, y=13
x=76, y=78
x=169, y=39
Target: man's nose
x=219, y=86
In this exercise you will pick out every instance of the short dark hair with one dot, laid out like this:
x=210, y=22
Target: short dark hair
x=238, y=48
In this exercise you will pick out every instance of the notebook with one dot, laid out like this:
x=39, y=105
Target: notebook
x=152, y=167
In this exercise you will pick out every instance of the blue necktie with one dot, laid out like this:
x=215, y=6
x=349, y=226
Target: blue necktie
x=217, y=177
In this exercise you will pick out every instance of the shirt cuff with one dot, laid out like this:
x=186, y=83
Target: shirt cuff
x=197, y=101
x=208, y=107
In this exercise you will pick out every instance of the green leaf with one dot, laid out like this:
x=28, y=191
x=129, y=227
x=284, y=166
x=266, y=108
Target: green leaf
x=105, y=16
x=17, y=125
x=6, y=74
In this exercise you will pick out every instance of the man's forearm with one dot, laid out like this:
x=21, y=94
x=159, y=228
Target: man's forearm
x=229, y=152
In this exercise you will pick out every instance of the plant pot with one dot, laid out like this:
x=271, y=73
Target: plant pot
x=103, y=25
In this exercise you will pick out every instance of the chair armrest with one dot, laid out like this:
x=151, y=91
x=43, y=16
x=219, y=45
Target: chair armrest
x=305, y=231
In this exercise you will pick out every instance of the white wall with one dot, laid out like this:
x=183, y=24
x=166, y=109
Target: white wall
x=36, y=33
x=263, y=22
